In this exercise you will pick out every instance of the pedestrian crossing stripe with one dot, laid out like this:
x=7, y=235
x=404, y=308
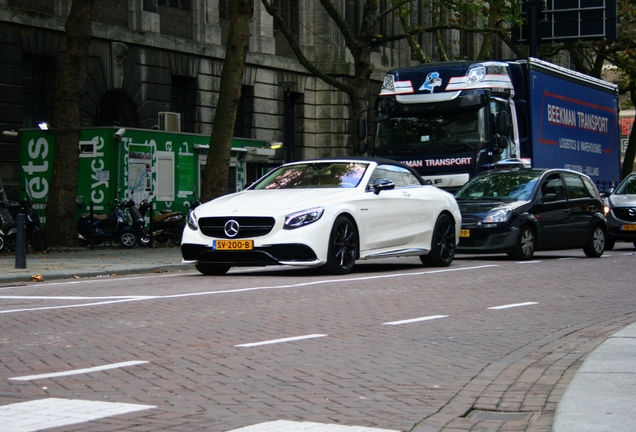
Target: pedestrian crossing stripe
x=294, y=426
x=48, y=413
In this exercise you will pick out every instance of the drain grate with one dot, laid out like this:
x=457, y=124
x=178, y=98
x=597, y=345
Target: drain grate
x=501, y=415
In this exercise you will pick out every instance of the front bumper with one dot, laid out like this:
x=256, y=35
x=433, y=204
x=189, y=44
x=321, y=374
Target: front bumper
x=499, y=239
x=615, y=225
x=280, y=254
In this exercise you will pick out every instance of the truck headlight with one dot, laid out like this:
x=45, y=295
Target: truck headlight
x=302, y=218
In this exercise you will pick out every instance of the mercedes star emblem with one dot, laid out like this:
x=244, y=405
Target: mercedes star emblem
x=231, y=228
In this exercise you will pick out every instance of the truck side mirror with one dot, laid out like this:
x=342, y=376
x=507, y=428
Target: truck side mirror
x=362, y=135
x=502, y=123
x=502, y=141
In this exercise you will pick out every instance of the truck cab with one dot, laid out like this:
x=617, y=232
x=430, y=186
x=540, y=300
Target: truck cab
x=449, y=120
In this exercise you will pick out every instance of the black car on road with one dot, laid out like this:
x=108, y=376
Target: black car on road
x=520, y=211
x=620, y=211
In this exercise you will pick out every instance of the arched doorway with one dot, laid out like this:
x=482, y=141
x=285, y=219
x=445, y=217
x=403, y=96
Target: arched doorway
x=117, y=108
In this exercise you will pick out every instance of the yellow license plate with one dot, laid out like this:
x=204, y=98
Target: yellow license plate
x=464, y=233
x=233, y=245
x=628, y=227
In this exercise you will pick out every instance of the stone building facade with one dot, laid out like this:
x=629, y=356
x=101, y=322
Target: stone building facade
x=154, y=56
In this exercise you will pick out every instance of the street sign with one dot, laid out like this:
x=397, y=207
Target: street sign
x=567, y=21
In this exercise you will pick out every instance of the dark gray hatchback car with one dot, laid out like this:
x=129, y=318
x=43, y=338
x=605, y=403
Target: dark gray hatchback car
x=520, y=211
x=620, y=211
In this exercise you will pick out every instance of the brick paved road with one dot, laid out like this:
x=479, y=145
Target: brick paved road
x=393, y=345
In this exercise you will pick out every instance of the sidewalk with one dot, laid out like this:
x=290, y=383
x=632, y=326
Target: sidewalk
x=83, y=262
x=601, y=397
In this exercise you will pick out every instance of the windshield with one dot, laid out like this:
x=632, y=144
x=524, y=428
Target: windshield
x=628, y=186
x=436, y=133
x=314, y=175
x=500, y=186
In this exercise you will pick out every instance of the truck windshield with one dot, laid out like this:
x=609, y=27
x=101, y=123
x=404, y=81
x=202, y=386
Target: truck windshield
x=428, y=134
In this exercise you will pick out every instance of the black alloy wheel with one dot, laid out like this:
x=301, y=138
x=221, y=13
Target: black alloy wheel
x=596, y=244
x=443, y=243
x=524, y=249
x=208, y=269
x=343, y=247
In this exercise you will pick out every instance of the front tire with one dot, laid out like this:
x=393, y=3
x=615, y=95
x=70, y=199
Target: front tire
x=596, y=244
x=524, y=249
x=443, y=243
x=39, y=241
x=343, y=247
x=208, y=269
x=127, y=239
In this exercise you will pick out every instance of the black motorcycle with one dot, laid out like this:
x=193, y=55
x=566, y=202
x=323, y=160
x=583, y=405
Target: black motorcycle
x=35, y=234
x=113, y=227
x=165, y=225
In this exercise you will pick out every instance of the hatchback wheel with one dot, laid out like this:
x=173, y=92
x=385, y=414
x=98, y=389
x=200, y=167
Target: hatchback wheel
x=443, y=243
x=524, y=250
x=212, y=269
x=343, y=247
x=596, y=244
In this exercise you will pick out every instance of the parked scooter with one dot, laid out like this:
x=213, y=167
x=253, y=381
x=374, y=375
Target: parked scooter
x=165, y=225
x=138, y=222
x=113, y=227
x=8, y=227
x=35, y=234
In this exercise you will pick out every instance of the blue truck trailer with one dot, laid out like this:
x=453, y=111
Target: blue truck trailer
x=452, y=120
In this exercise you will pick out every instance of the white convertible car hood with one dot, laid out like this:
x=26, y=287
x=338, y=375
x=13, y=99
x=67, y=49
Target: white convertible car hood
x=260, y=202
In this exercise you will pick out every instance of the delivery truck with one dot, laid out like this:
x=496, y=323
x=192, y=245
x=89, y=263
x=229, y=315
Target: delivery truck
x=452, y=120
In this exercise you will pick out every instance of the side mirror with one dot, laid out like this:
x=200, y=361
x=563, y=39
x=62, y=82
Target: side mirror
x=382, y=184
x=502, y=123
x=362, y=129
x=362, y=135
x=502, y=141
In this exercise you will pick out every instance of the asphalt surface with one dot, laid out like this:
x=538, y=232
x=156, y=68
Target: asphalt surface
x=600, y=397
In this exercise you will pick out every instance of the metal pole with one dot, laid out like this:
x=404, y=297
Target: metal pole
x=21, y=243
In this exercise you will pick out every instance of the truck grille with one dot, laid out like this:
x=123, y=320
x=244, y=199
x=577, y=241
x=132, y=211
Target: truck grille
x=249, y=227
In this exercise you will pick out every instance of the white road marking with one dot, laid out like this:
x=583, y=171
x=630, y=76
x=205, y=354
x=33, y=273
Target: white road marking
x=513, y=305
x=408, y=321
x=529, y=262
x=80, y=371
x=119, y=299
x=275, y=341
x=48, y=413
x=294, y=426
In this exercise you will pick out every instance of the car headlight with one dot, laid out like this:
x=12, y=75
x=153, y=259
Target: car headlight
x=606, y=209
x=192, y=221
x=497, y=216
x=302, y=218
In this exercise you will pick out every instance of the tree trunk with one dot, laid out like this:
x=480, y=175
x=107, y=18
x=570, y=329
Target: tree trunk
x=61, y=225
x=218, y=160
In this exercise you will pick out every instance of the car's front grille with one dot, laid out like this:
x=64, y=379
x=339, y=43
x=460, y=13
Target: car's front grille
x=623, y=213
x=469, y=221
x=248, y=227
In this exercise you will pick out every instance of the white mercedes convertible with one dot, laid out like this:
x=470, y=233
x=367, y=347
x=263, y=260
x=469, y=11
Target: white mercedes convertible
x=325, y=212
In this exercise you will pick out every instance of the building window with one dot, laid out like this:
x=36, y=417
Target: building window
x=178, y=4
x=38, y=90
x=289, y=11
x=244, y=113
x=183, y=101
